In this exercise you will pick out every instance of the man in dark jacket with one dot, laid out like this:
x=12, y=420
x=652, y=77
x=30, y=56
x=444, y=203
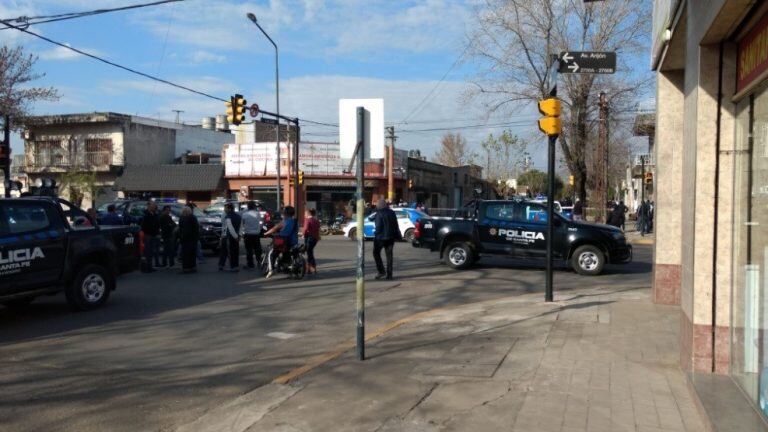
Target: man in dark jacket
x=168, y=231
x=150, y=225
x=230, y=239
x=387, y=232
x=189, y=234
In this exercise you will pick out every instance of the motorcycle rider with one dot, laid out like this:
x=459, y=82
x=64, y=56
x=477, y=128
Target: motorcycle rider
x=287, y=237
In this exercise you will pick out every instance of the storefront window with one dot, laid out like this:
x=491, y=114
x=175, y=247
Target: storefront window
x=749, y=338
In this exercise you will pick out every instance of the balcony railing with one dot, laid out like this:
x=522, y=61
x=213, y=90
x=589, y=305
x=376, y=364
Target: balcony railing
x=646, y=159
x=62, y=160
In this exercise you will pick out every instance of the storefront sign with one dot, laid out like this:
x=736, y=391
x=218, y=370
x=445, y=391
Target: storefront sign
x=337, y=182
x=753, y=55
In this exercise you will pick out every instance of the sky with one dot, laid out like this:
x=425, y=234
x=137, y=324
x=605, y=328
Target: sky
x=410, y=53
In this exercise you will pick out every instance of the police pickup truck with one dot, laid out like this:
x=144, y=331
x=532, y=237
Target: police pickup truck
x=518, y=229
x=48, y=245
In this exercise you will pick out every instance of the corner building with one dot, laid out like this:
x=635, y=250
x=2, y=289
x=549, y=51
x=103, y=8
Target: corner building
x=711, y=219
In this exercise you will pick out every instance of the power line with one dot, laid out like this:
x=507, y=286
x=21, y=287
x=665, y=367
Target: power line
x=111, y=63
x=445, y=75
x=42, y=19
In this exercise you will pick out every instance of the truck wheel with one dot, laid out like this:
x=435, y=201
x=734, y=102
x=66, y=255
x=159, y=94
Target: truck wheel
x=353, y=234
x=18, y=304
x=459, y=255
x=588, y=260
x=90, y=288
x=408, y=235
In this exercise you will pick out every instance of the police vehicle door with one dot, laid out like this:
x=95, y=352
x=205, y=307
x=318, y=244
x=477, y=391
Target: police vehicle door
x=531, y=228
x=31, y=245
x=493, y=226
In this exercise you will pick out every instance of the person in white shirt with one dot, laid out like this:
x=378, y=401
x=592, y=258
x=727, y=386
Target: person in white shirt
x=252, y=234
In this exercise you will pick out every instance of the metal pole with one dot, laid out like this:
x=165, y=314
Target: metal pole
x=296, y=185
x=549, y=296
x=391, y=164
x=7, y=151
x=252, y=17
x=360, y=276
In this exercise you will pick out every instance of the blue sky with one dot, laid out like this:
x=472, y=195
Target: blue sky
x=329, y=49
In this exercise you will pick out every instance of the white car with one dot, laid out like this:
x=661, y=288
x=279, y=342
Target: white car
x=406, y=218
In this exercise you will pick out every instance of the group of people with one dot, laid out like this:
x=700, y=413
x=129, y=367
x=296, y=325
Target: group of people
x=165, y=239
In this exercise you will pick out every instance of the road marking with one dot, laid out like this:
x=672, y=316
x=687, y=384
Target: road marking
x=340, y=349
x=642, y=241
x=281, y=335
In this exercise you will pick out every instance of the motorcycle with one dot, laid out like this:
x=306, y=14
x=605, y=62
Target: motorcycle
x=291, y=262
x=333, y=227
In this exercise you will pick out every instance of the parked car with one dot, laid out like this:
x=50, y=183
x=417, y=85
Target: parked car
x=406, y=219
x=518, y=228
x=269, y=217
x=48, y=245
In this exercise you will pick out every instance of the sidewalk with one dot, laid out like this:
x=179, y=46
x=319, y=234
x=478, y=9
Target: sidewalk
x=595, y=360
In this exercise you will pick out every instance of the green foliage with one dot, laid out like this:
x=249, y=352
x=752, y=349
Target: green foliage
x=536, y=182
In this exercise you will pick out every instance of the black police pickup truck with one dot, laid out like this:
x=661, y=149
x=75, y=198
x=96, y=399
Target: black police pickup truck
x=47, y=245
x=518, y=229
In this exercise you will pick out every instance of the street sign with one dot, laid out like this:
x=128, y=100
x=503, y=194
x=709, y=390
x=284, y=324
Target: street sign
x=269, y=121
x=254, y=110
x=587, y=62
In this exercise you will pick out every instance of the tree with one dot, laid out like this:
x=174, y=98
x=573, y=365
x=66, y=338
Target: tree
x=454, y=151
x=515, y=40
x=16, y=71
x=77, y=183
x=503, y=156
x=536, y=182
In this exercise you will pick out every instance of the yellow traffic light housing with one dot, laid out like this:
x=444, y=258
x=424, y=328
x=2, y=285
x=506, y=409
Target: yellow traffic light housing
x=550, y=124
x=410, y=183
x=236, y=109
x=648, y=178
x=301, y=177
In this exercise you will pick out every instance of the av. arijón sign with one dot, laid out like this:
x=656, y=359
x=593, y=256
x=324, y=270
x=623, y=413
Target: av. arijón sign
x=587, y=62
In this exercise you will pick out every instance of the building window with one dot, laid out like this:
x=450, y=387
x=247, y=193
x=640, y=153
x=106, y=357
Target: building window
x=749, y=338
x=466, y=179
x=48, y=153
x=96, y=152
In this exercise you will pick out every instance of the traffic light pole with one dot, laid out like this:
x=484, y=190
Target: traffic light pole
x=549, y=294
x=296, y=185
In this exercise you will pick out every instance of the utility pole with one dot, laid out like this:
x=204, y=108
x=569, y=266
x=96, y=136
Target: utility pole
x=5, y=155
x=391, y=164
x=600, y=163
x=177, y=115
x=360, y=217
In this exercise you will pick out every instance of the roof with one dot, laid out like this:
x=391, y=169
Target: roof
x=95, y=117
x=188, y=177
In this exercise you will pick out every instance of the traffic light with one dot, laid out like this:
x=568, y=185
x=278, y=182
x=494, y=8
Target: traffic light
x=649, y=178
x=410, y=183
x=236, y=109
x=570, y=180
x=301, y=177
x=550, y=124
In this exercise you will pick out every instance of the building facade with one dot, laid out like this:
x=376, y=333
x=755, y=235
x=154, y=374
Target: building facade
x=106, y=145
x=711, y=190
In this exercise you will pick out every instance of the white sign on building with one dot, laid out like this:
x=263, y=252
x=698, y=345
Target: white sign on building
x=374, y=140
x=258, y=159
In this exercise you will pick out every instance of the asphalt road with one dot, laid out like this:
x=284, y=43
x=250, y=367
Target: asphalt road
x=169, y=347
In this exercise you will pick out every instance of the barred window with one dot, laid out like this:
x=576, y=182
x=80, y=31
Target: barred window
x=98, y=144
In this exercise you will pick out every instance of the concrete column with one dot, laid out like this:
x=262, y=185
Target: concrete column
x=668, y=156
x=706, y=216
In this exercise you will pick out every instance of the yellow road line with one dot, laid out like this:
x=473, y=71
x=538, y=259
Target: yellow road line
x=642, y=241
x=340, y=349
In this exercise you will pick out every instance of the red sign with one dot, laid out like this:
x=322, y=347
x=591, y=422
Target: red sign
x=753, y=55
x=254, y=110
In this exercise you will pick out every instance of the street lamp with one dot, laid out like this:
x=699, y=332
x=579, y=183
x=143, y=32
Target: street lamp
x=252, y=17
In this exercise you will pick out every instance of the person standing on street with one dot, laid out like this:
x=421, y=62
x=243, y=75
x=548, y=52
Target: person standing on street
x=230, y=239
x=189, y=236
x=168, y=231
x=311, y=233
x=387, y=231
x=150, y=225
x=111, y=218
x=252, y=234
x=578, y=210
